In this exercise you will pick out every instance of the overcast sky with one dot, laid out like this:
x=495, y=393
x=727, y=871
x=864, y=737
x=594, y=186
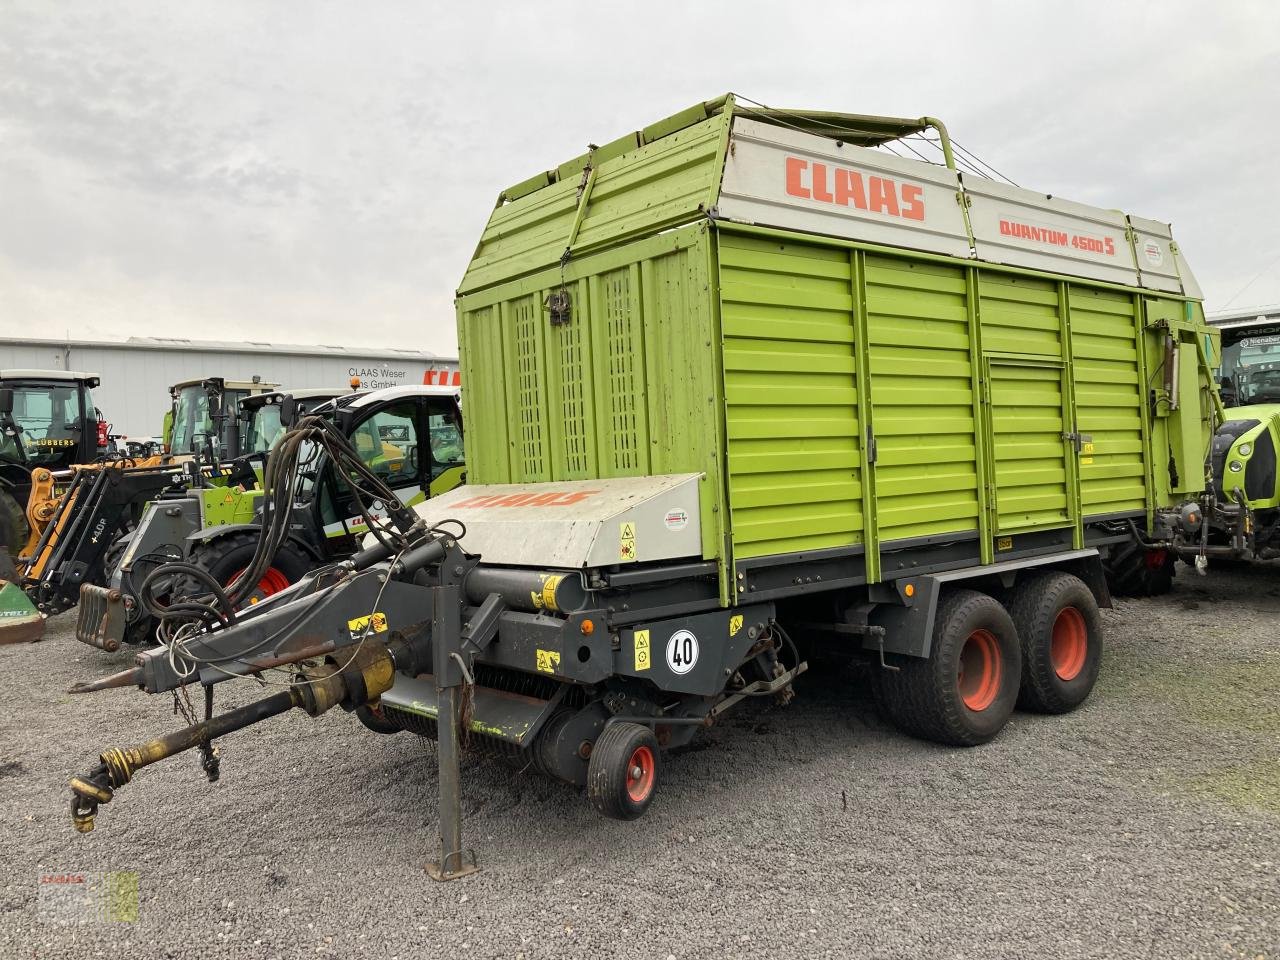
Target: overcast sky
x=320, y=173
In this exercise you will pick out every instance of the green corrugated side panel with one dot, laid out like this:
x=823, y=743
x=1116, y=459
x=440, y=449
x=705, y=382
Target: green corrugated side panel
x=661, y=184
x=1109, y=399
x=922, y=398
x=1028, y=448
x=1019, y=315
x=629, y=387
x=1021, y=320
x=791, y=414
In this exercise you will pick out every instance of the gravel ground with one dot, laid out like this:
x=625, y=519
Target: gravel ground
x=1145, y=824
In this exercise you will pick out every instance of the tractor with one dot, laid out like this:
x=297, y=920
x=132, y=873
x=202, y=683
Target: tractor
x=410, y=437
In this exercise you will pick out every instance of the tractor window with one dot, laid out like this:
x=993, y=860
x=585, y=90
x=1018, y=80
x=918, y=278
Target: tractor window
x=264, y=430
x=191, y=419
x=50, y=420
x=445, y=423
x=388, y=443
x=1250, y=371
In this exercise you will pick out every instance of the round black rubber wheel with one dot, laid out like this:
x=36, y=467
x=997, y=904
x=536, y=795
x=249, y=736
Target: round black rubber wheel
x=1134, y=571
x=1060, y=630
x=622, y=775
x=224, y=557
x=14, y=528
x=374, y=719
x=963, y=693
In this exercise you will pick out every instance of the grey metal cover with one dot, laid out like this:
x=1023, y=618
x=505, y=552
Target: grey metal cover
x=576, y=523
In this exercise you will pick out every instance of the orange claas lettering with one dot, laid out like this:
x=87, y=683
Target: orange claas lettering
x=842, y=187
x=551, y=499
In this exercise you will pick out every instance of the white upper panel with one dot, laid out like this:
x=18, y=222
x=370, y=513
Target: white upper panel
x=1027, y=229
x=576, y=523
x=1152, y=248
x=779, y=177
x=784, y=178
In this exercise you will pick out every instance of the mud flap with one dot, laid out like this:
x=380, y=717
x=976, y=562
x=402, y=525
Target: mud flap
x=20, y=621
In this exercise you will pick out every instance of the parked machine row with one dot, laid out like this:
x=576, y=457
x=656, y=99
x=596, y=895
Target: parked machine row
x=743, y=391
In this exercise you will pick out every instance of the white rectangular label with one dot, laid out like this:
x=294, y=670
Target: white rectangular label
x=1027, y=229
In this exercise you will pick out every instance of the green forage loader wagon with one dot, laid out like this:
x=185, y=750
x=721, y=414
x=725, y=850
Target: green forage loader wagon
x=742, y=385
x=782, y=376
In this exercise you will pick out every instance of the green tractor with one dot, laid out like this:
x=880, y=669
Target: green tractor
x=1242, y=511
x=410, y=437
x=203, y=416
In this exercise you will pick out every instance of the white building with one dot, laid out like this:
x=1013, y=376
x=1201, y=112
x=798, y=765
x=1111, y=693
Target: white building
x=136, y=373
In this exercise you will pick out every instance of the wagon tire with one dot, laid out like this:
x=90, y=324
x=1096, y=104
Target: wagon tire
x=622, y=774
x=1060, y=631
x=963, y=693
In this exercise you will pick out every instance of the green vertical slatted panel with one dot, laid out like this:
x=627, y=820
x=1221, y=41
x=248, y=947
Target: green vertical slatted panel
x=922, y=396
x=481, y=342
x=623, y=435
x=1108, y=388
x=569, y=384
x=530, y=408
x=791, y=414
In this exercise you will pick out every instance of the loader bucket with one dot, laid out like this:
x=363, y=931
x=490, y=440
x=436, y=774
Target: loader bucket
x=20, y=622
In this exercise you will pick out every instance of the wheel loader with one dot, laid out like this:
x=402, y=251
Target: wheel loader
x=47, y=422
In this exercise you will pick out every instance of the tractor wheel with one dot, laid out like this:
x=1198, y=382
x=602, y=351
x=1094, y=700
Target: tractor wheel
x=964, y=692
x=1060, y=630
x=1134, y=571
x=139, y=630
x=224, y=558
x=14, y=528
x=622, y=775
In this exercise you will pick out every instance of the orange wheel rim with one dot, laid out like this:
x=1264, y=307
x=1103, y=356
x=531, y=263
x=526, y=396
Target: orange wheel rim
x=1069, y=644
x=979, y=671
x=272, y=582
x=640, y=773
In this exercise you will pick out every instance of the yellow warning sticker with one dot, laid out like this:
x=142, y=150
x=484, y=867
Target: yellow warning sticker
x=735, y=624
x=362, y=626
x=627, y=540
x=546, y=598
x=1004, y=543
x=642, y=649
x=1086, y=453
x=229, y=498
x=547, y=660
x=549, y=591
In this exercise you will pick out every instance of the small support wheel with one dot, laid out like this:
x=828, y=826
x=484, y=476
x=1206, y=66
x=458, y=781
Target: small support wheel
x=622, y=775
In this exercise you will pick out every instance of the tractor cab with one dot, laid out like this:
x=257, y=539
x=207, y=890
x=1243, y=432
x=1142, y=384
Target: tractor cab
x=205, y=415
x=263, y=416
x=47, y=418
